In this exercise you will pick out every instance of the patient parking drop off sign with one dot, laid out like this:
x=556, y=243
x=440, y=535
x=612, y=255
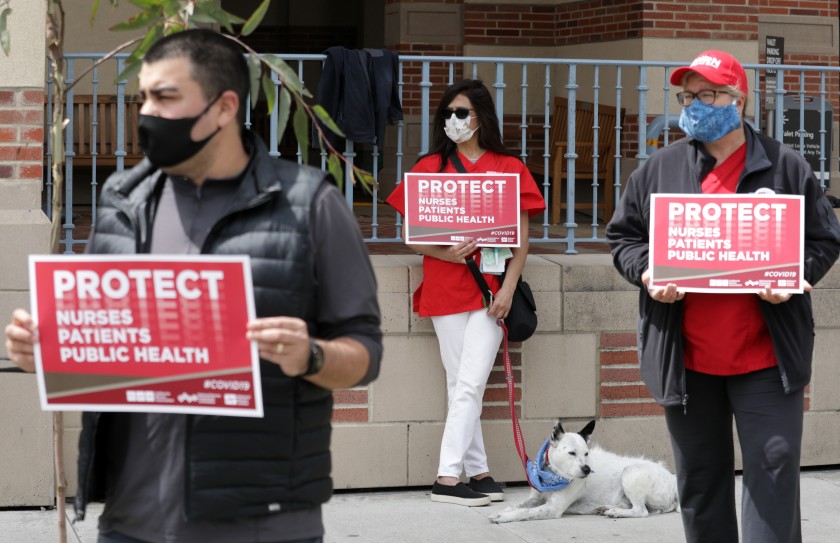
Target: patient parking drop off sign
x=738, y=243
x=145, y=333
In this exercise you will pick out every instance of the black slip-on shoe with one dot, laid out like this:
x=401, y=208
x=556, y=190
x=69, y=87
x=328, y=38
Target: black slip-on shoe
x=459, y=494
x=489, y=487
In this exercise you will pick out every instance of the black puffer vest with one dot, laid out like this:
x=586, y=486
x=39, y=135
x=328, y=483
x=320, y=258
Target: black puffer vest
x=236, y=466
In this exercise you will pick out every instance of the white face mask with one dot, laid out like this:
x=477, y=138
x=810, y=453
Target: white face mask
x=458, y=130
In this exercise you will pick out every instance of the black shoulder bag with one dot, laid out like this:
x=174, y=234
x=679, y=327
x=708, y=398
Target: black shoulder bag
x=521, y=321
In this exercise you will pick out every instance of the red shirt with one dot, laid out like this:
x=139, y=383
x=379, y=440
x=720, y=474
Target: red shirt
x=447, y=287
x=725, y=334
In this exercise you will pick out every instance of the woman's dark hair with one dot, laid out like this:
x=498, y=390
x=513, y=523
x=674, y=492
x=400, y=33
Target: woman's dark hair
x=489, y=136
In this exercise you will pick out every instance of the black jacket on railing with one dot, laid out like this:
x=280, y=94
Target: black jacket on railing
x=680, y=168
x=358, y=88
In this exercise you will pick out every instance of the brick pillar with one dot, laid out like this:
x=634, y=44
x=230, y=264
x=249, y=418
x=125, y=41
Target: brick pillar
x=25, y=431
x=434, y=27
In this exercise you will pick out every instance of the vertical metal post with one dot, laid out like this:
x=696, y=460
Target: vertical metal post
x=68, y=164
x=425, y=84
x=779, y=116
x=571, y=155
x=643, y=89
x=500, y=86
x=400, y=130
x=120, y=151
x=523, y=125
x=350, y=155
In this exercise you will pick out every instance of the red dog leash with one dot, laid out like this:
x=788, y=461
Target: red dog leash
x=511, y=385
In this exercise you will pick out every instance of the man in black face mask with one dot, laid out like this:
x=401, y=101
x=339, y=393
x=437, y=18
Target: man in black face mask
x=209, y=187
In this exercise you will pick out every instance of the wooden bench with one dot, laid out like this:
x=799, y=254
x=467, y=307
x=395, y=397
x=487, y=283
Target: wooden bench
x=585, y=163
x=104, y=130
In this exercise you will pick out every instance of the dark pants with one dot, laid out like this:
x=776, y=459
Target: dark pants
x=116, y=537
x=769, y=425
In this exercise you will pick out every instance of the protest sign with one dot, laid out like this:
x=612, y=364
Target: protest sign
x=447, y=208
x=145, y=333
x=727, y=242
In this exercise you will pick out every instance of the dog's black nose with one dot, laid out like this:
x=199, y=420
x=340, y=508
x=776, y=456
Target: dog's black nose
x=586, y=470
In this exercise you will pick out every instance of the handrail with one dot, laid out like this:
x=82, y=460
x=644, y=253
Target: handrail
x=643, y=85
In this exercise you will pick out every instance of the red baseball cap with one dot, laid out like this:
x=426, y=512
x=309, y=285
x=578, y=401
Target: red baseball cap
x=718, y=67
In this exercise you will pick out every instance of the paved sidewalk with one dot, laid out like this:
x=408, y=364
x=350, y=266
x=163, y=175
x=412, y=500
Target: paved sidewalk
x=409, y=516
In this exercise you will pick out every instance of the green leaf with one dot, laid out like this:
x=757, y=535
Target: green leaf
x=209, y=12
x=142, y=4
x=256, y=18
x=325, y=118
x=367, y=180
x=301, y=126
x=93, y=11
x=287, y=75
x=5, y=39
x=270, y=91
x=284, y=110
x=254, y=72
x=334, y=166
x=141, y=20
x=135, y=59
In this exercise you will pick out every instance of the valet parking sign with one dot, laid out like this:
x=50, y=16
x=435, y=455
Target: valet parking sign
x=447, y=208
x=727, y=242
x=145, y=333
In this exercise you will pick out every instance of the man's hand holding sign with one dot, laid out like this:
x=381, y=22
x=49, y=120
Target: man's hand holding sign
x=725, y=243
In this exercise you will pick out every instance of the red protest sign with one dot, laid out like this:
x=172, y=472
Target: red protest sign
x=447, y=208
x=145, y=333
x=727, y=242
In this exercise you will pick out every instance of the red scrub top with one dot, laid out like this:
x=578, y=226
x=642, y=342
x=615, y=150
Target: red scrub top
x=725, y=334
x=447, y=287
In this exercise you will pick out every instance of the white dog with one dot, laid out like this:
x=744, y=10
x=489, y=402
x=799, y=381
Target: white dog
x=600, y=483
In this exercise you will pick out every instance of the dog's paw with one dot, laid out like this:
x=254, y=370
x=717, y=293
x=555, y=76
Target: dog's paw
x=601, y=510
x=502, y=517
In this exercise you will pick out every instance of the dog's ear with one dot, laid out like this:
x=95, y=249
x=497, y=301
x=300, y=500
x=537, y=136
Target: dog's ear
x=557, y=433
x=586, y=433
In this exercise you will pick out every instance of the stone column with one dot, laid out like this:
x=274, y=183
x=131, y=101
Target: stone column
x=26, y=472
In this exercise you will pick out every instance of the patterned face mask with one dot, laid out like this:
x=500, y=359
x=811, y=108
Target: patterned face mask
x=457, y=129
x=705, y=122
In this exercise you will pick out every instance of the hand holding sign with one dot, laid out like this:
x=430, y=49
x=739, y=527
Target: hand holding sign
x=282, y=340
x=21, y=336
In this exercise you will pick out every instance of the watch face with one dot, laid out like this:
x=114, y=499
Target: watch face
x=316, y=358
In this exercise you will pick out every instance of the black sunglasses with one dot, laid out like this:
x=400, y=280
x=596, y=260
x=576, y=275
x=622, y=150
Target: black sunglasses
x=460, y=112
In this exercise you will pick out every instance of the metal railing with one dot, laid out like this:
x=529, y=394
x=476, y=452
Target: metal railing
x=573, y=78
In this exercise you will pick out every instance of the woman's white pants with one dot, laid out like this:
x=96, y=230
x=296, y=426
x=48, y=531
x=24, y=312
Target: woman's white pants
x=468, y=346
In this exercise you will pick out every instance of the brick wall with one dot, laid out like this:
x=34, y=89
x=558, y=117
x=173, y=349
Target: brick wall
x=622, y=393
x=490, y=24
x=21, y=134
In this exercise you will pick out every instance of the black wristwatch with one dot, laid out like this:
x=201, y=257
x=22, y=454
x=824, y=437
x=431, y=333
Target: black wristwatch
x=316, y=358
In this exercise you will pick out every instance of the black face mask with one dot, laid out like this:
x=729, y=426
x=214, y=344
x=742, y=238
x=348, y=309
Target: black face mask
x=167, y=142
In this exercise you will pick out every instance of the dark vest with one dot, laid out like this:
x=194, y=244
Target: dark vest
x=236, y=466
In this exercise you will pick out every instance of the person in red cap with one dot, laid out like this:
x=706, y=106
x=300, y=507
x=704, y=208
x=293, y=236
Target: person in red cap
x=706, y=357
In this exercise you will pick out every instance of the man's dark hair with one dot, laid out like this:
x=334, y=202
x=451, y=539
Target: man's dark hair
x=217, y=62
x=489, y=136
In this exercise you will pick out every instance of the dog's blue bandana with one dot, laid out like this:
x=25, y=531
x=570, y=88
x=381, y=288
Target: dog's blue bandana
x=540, y=475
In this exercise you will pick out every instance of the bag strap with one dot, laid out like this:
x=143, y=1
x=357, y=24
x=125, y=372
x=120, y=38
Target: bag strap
x=456, y=162
x=486, y=294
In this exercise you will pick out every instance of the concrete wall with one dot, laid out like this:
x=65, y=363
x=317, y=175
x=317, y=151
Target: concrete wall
x=583, y=349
